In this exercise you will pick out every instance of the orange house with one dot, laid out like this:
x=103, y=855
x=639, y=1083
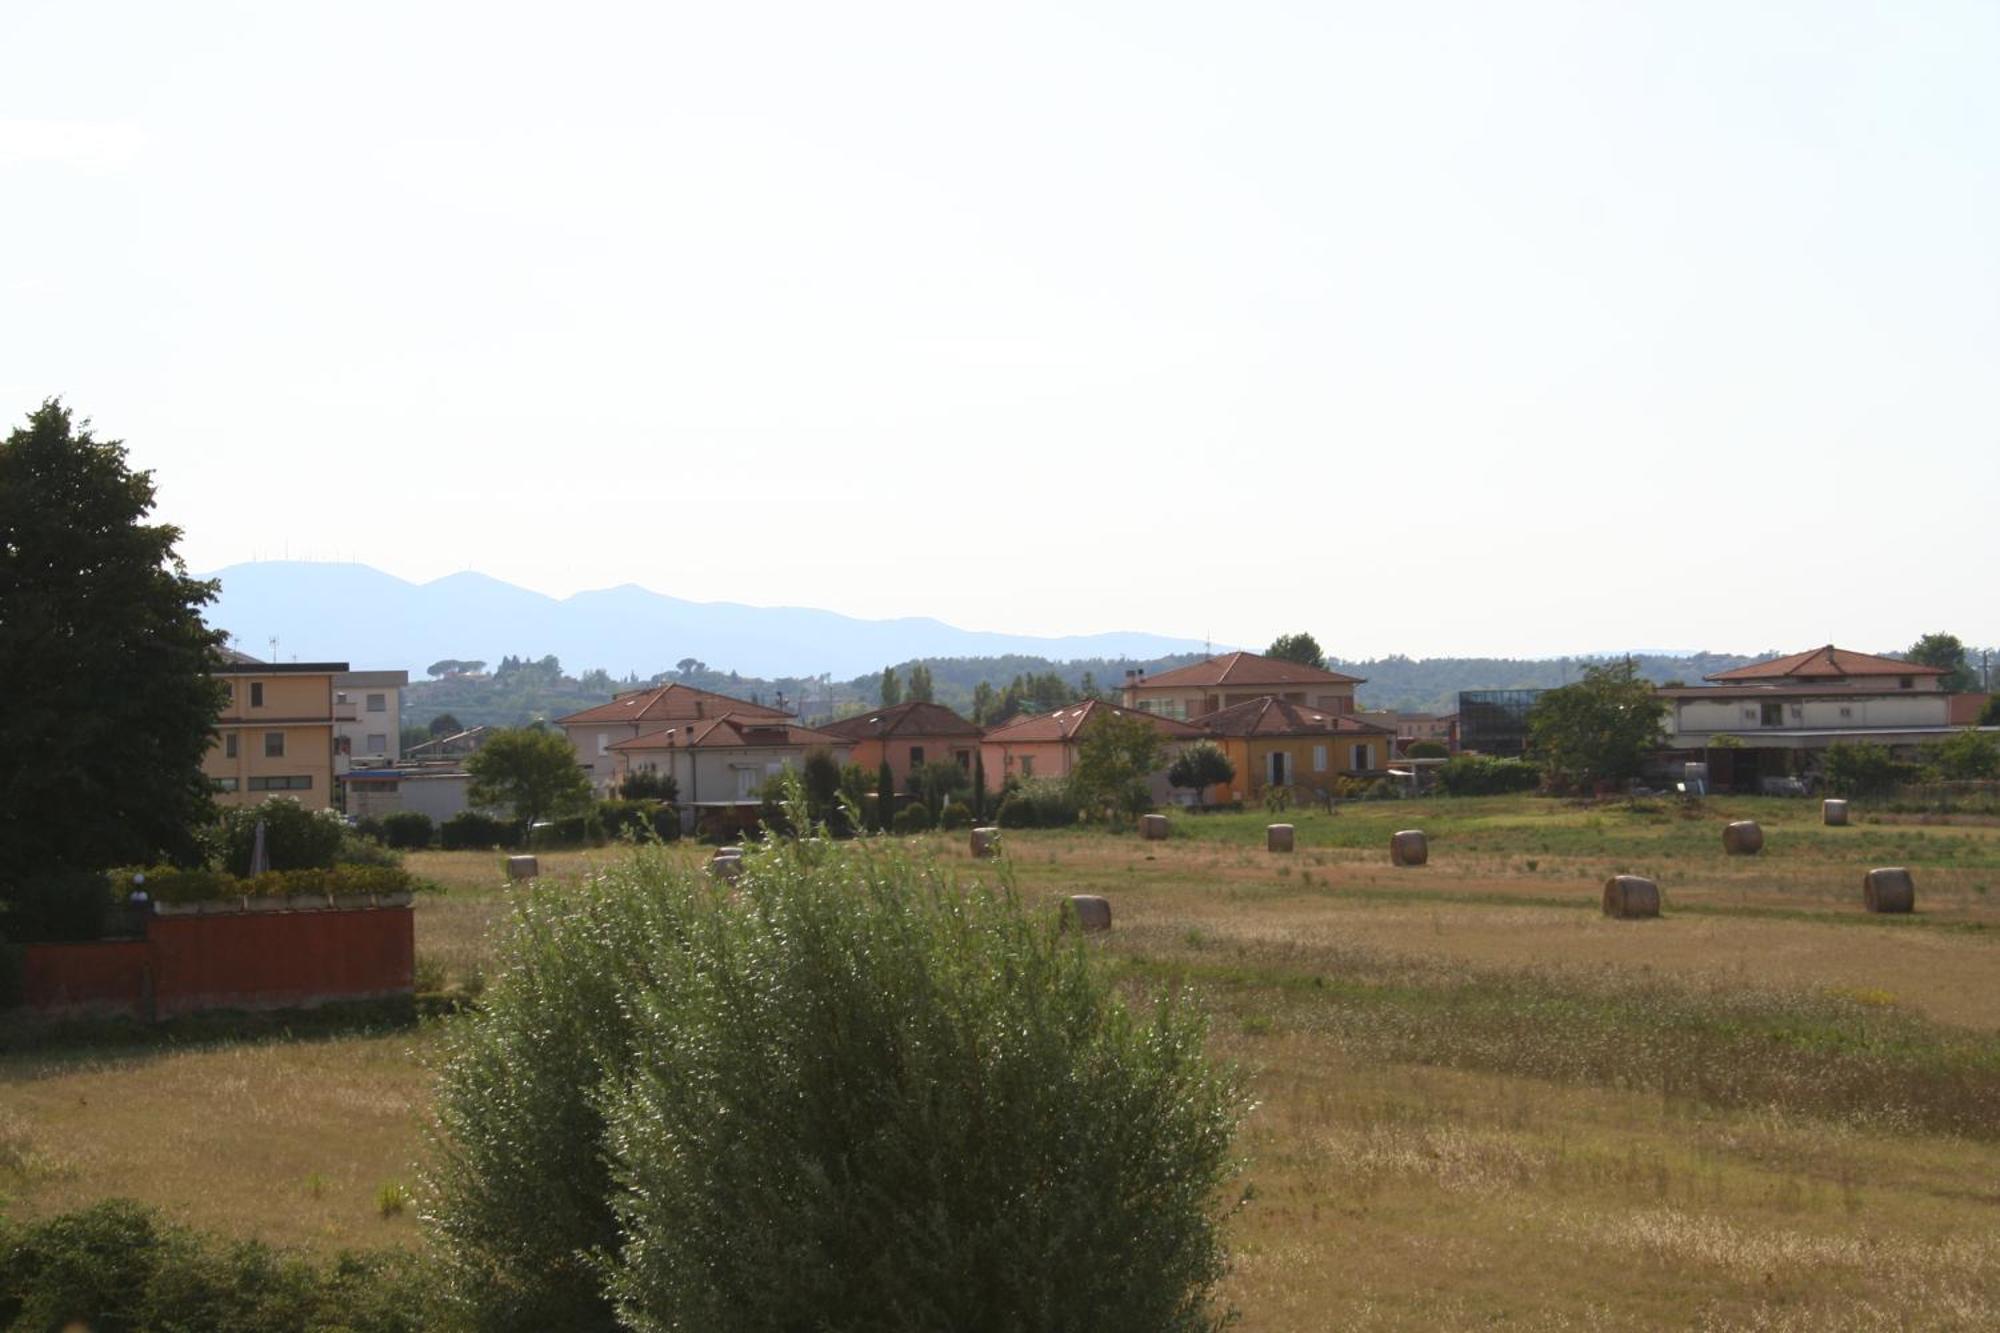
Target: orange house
x=1045, y=745
x=1277, y=743
x=1202, y=688
x=908, y=735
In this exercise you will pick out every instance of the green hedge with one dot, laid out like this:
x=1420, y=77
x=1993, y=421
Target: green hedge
x=119, y=1267
x=408, y=829
x=1477, y=775
x=165, y=884
x=471, y=830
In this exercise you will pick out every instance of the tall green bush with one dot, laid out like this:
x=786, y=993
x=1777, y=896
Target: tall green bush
x=295, y=838
x=471, y=830
x=1479, y=775
x=408, y=829
x=850, y=1094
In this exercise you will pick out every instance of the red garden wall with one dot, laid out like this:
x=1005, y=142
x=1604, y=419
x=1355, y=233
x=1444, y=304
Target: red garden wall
x=236, y=960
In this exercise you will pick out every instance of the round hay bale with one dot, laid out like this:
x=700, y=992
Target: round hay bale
x=1409, y=848
x=523, y=867
x=1278, y=837
x=1889, y=889
x=1742, y=838
x=1629, y=897
x=1086, y=912
x=726, y=867
x=1833, y=813
x=1153, y=827
x=985, y=843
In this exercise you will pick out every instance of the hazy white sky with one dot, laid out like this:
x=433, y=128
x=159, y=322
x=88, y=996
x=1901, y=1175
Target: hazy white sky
x=1431, y=328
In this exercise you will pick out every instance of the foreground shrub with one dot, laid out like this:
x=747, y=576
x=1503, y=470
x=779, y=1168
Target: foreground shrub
x=1038, y=803
x=294, y=837
x=117, y=1267
x=165, y=884
x=957, y=815
x=471, y=830
x=1479, y=775
x=849, y=1094
x=913, y=818
x=408, y=829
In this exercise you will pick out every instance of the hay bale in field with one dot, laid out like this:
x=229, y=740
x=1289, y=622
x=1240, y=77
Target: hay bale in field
x=726, y=867
x=1409, y=847
x=1153, y=828
x=1278, y=837
x=523, y=867
x=1086, y=912
x=1833, y=813
x=1889, y=889
x=1629, y=897
x=1742, y=838
x=985, y=843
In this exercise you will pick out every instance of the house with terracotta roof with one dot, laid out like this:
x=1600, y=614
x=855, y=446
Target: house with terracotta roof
x=1222, y=682
x=1769, y=721
x=593, y=731
x=1045, y=745
x=907, y=736
x=1274, y=742
x=721, y=764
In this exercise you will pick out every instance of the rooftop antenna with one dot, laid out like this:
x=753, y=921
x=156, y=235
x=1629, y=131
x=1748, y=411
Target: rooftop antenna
x=274, y=647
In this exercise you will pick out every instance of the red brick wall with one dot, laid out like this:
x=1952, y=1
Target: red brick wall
x=247, y=960
x=103, y=976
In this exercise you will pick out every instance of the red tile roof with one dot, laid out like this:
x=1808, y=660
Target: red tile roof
x=1271, y=716
x=1828, y=663
x=734, y=730
x=672, y=702
x=915, y=718
x=1064, y=723
x=1247, y=669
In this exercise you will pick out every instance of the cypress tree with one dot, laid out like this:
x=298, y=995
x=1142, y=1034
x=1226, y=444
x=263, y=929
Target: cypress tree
x=885, y=797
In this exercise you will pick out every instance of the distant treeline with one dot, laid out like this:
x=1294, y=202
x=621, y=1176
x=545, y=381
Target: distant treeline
x=521, y=690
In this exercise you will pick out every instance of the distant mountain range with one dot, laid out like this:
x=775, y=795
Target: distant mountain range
x=353, y=613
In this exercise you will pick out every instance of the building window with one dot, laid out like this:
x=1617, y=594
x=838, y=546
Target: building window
x=964, y=758
x=343, y=745
x=1845, y=711
x=604, y=742
x=229, y=745
x=1319, y=759
x=274, y=745
x=223, y=784
x=1906, y=682
x=916, y=755
x=1278, y=758
x=295, y=782
x=378, y=743
x=1027, y=765
x=1771, y=715
x=378, y=703
x=256, y=694
x=1364, y=758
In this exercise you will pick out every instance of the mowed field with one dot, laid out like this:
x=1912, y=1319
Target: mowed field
x=1478, y=1102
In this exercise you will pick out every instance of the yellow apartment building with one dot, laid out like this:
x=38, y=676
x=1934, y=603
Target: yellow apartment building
x=275, y=733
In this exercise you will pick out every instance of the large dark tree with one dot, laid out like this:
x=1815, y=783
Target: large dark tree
x=1947, y=654
x=534, y=773
x=1302, y=648
x=109, y=703
x=1599, y=729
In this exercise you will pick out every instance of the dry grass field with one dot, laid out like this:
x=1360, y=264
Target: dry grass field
x=1479, y=1102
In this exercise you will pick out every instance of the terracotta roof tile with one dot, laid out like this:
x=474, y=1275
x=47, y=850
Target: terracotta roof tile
x=734, y=730
x=1827, y=663
x=1064, y=723
x=1247, y=669
x=672, y=702
x=1271, y=716
x=915, y=718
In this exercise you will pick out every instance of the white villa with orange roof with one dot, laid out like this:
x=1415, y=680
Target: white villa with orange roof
x=593, y=731
x=1238, y=678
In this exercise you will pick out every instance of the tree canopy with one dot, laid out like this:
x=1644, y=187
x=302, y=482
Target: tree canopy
x=1302, y=648
x=892, y=688
x=111, y=704
x=1599, y=729
x=529, y=771
x=920, y=690
x=1201, y=766
x=1947, y=654
x=1114, y=757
